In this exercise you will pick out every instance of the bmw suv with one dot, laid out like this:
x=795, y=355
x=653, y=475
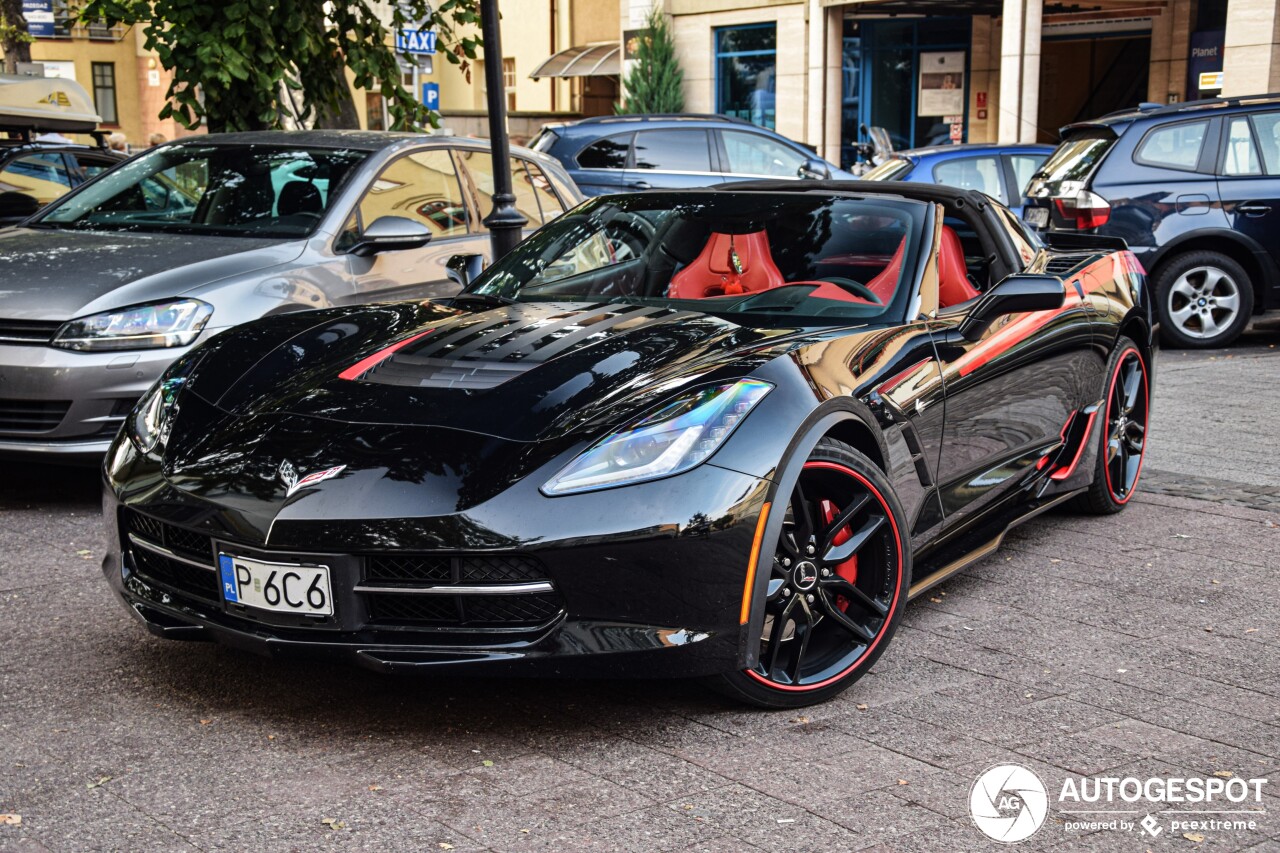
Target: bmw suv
x=1194, y=189
x=628, y=153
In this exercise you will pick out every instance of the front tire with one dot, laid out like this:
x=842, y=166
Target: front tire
x=837, y=587
x=1204, y=300
x=1125, y=416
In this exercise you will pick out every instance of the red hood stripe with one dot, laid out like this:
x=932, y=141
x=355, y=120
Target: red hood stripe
x=364, y=365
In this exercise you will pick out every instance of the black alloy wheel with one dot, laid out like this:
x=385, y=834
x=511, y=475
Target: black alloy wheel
x=1123, y=444
x=837, y=586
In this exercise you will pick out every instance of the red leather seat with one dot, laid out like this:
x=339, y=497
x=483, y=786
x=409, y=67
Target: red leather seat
x=953, y=274
x=886, y=281
x=714, y=273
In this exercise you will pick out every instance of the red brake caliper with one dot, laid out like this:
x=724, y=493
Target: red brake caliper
x=849, y=568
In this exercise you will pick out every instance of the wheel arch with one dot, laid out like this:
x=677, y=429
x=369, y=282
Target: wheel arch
x=1244, y=251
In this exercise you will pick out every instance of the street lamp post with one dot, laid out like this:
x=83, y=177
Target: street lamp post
x=505, y=222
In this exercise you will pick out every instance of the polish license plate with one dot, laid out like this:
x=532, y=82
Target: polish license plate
x=1037, y=217
x=278, y=587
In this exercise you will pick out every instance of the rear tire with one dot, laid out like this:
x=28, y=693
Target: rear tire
x=1204, y=300
x=838, y=583
x=1123, y=420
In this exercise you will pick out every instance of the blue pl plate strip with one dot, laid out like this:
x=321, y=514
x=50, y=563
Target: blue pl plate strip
x=228, y=568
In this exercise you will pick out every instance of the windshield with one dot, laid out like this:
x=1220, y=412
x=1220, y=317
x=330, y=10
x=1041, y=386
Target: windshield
x=752, y=257
x=1074, y=159
x=228, y=190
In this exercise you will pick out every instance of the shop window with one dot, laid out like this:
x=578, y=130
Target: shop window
x=746, y=72
x=608, y=153
x=1175, y=146
x=104, y=91
x=756, y=154
x=1241, y=155
x=673, y=150
x=1267, y=126
x=509, y=81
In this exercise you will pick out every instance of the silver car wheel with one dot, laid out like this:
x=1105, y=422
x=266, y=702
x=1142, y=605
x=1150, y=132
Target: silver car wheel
x=1204, y=302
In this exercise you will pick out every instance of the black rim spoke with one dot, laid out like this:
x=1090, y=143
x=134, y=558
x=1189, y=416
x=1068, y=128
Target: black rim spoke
x=1132, y=384
x=862, y=632
x=1127, y=416
x=841, y=521
x=836, y=585
x=801, y=512
x=852, y=545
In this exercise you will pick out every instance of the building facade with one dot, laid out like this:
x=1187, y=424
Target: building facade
x=933, y=72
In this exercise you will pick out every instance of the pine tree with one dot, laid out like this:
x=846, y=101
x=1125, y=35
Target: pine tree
x=654, y=84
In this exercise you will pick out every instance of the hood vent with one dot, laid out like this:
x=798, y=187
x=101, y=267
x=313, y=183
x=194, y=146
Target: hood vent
x=482, y=351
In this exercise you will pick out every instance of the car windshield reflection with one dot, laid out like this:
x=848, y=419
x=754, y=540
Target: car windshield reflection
x=226, y=190
x=795, y=257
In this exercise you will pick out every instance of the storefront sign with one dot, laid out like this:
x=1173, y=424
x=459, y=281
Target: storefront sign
x=39, y=15
x=941, y=84
x=982, y=99
x=1204, y=66
x=416, y=41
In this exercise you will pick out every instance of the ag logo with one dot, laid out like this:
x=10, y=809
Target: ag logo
x=1008, y=803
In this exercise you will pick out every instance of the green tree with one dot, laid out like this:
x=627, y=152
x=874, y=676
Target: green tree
x=245, y=64
x=15, y=40
x=654, y=84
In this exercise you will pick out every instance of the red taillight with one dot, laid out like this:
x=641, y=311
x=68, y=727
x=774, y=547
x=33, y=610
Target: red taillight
x=1089, y=210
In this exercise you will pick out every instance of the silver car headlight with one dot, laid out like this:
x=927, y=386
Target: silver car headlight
x=176, y=323
x=669, y=441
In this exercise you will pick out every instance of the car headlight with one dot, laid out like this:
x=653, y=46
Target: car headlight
x=148, y=423
x=671, y=440
x=164, y=324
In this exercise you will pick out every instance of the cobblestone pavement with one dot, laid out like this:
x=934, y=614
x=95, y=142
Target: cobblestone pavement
x=1138, y=645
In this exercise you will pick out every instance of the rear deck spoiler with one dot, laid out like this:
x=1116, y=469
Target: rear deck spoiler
x=1072, y=240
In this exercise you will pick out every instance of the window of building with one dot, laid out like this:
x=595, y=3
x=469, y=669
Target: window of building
x=509, y=81
x=422, y=186
x=607, y=153
x=756, y=154
x=746, y=71
x=64, y=18
x=673, y=150
x=374, y=111
x=1176, y=146
x=104, y=91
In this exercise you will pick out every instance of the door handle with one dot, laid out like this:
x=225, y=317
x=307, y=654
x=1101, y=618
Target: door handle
x=1252, y=208
x=639, y=185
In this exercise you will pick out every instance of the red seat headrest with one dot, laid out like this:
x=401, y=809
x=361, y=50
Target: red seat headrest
x=953, y=274
x=728, y=264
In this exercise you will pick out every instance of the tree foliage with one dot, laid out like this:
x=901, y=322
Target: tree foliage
x=236, y=64
x=654, y=83
x=15, y=40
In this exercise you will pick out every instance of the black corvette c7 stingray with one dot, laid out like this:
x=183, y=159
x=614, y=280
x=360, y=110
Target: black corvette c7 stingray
x=723, y=433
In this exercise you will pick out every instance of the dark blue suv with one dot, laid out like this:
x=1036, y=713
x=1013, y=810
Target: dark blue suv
x=628, y=153
x=1194, y=189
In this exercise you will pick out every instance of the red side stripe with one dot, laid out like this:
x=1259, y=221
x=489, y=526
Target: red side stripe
x=364, y=365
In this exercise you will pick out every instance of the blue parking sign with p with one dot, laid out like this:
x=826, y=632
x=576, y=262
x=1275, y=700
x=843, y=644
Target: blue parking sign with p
x=431, y=96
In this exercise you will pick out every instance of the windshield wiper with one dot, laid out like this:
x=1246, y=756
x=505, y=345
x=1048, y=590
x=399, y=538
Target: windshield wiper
x=490, y=299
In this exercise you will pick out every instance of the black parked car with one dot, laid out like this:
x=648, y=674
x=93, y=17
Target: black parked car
x=1194, y=189
x=628, y=153
x=722, y=433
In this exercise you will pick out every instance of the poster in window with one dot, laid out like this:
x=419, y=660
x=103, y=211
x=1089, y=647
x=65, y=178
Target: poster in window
x=941, y=83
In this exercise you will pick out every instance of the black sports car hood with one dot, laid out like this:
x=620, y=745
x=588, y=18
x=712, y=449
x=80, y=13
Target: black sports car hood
x=523, y=372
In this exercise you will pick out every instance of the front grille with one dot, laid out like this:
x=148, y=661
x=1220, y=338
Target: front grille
x=30, y=332
x=465, y=611
x=32, y=415
x=166, y=571
x=473, y=606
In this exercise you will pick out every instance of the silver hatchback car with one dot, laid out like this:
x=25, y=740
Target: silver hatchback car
x=101, y=290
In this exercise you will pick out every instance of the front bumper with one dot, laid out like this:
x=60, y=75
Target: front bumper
x=55, y=403
x=653, y=591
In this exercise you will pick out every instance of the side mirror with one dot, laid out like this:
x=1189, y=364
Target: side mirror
x=814, y=169
x=390, y=234
x=464, y=269
x=1017, y=294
